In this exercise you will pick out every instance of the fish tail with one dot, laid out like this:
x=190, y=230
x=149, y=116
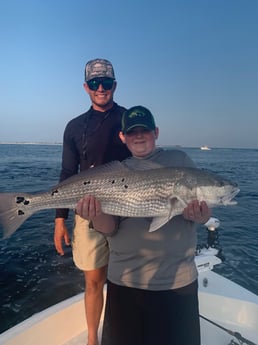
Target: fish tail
x=12, y=214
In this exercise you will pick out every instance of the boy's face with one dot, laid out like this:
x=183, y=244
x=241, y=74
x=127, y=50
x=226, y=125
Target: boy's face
x=140, y=141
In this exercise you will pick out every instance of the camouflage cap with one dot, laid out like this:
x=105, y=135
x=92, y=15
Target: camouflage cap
x=137, y=116
x=99, y=68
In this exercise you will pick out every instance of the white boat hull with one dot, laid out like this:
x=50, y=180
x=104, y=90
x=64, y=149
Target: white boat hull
x=228, y=305
x=221, y=301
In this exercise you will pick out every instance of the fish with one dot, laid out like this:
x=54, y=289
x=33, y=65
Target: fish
x=160, y=193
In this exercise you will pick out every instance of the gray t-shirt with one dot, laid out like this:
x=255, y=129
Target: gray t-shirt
x=159, y=260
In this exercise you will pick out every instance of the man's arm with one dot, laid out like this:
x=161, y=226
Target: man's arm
x=70, y=164
x=60, y=234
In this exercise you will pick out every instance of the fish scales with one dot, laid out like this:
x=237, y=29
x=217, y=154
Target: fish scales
x=160, y=193
x=125, y=195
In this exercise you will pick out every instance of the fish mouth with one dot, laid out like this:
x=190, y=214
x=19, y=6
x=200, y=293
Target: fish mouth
x=227, y=200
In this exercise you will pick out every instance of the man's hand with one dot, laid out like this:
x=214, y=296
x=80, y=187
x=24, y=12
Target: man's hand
x=60, y=234
x=197, y=212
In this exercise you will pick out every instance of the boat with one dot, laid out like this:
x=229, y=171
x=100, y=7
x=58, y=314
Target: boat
x=228, y=312
x=205, y=148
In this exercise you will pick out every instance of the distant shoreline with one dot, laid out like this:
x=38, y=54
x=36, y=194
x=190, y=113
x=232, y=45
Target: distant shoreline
x=160, y=145
x=28, y=143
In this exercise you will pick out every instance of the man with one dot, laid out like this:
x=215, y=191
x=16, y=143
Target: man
x=152, y=278
x=89, y=140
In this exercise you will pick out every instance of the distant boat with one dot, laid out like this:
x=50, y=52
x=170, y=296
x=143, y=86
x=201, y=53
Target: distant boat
x=205, y=148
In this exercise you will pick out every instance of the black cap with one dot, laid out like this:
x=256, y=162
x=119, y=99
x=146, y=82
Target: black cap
x=137, y=116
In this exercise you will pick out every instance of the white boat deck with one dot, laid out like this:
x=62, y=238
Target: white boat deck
x=64, y=323
x=221, y=301
x=207, y=339
x=81, y=339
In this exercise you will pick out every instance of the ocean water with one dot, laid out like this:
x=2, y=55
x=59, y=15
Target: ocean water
x=33, y=276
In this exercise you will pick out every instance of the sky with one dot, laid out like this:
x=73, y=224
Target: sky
x=193, y=63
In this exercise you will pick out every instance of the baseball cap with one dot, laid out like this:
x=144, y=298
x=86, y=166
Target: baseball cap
x=99, y=68
x=137, y=116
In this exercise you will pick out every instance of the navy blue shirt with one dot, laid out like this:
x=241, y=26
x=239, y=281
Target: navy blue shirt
x=89, y=140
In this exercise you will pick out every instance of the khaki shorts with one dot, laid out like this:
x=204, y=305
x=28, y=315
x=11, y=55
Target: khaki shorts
x=90, y=248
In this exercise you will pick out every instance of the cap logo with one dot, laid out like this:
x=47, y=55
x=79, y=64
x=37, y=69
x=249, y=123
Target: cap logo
x=136, y=114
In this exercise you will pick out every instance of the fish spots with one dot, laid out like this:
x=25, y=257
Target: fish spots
x=120, y=182
x=22, y=200
x=125, y=185
x=54, y=192
x=86, y=182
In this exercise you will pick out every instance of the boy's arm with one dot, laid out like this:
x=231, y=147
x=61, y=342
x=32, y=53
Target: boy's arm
x=90, y=208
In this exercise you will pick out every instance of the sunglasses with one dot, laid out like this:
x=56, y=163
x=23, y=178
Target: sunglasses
x=107, y=83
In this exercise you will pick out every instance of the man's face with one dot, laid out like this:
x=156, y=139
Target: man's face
x=101, y=91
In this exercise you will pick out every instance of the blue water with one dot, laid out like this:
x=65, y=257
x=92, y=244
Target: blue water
x=33, y=276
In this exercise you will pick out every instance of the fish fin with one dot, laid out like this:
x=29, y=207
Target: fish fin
x=141, y=164
x=158, y=222
x=114, y=166
x=107, y=169
x=11, y=215
x=176, y=206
